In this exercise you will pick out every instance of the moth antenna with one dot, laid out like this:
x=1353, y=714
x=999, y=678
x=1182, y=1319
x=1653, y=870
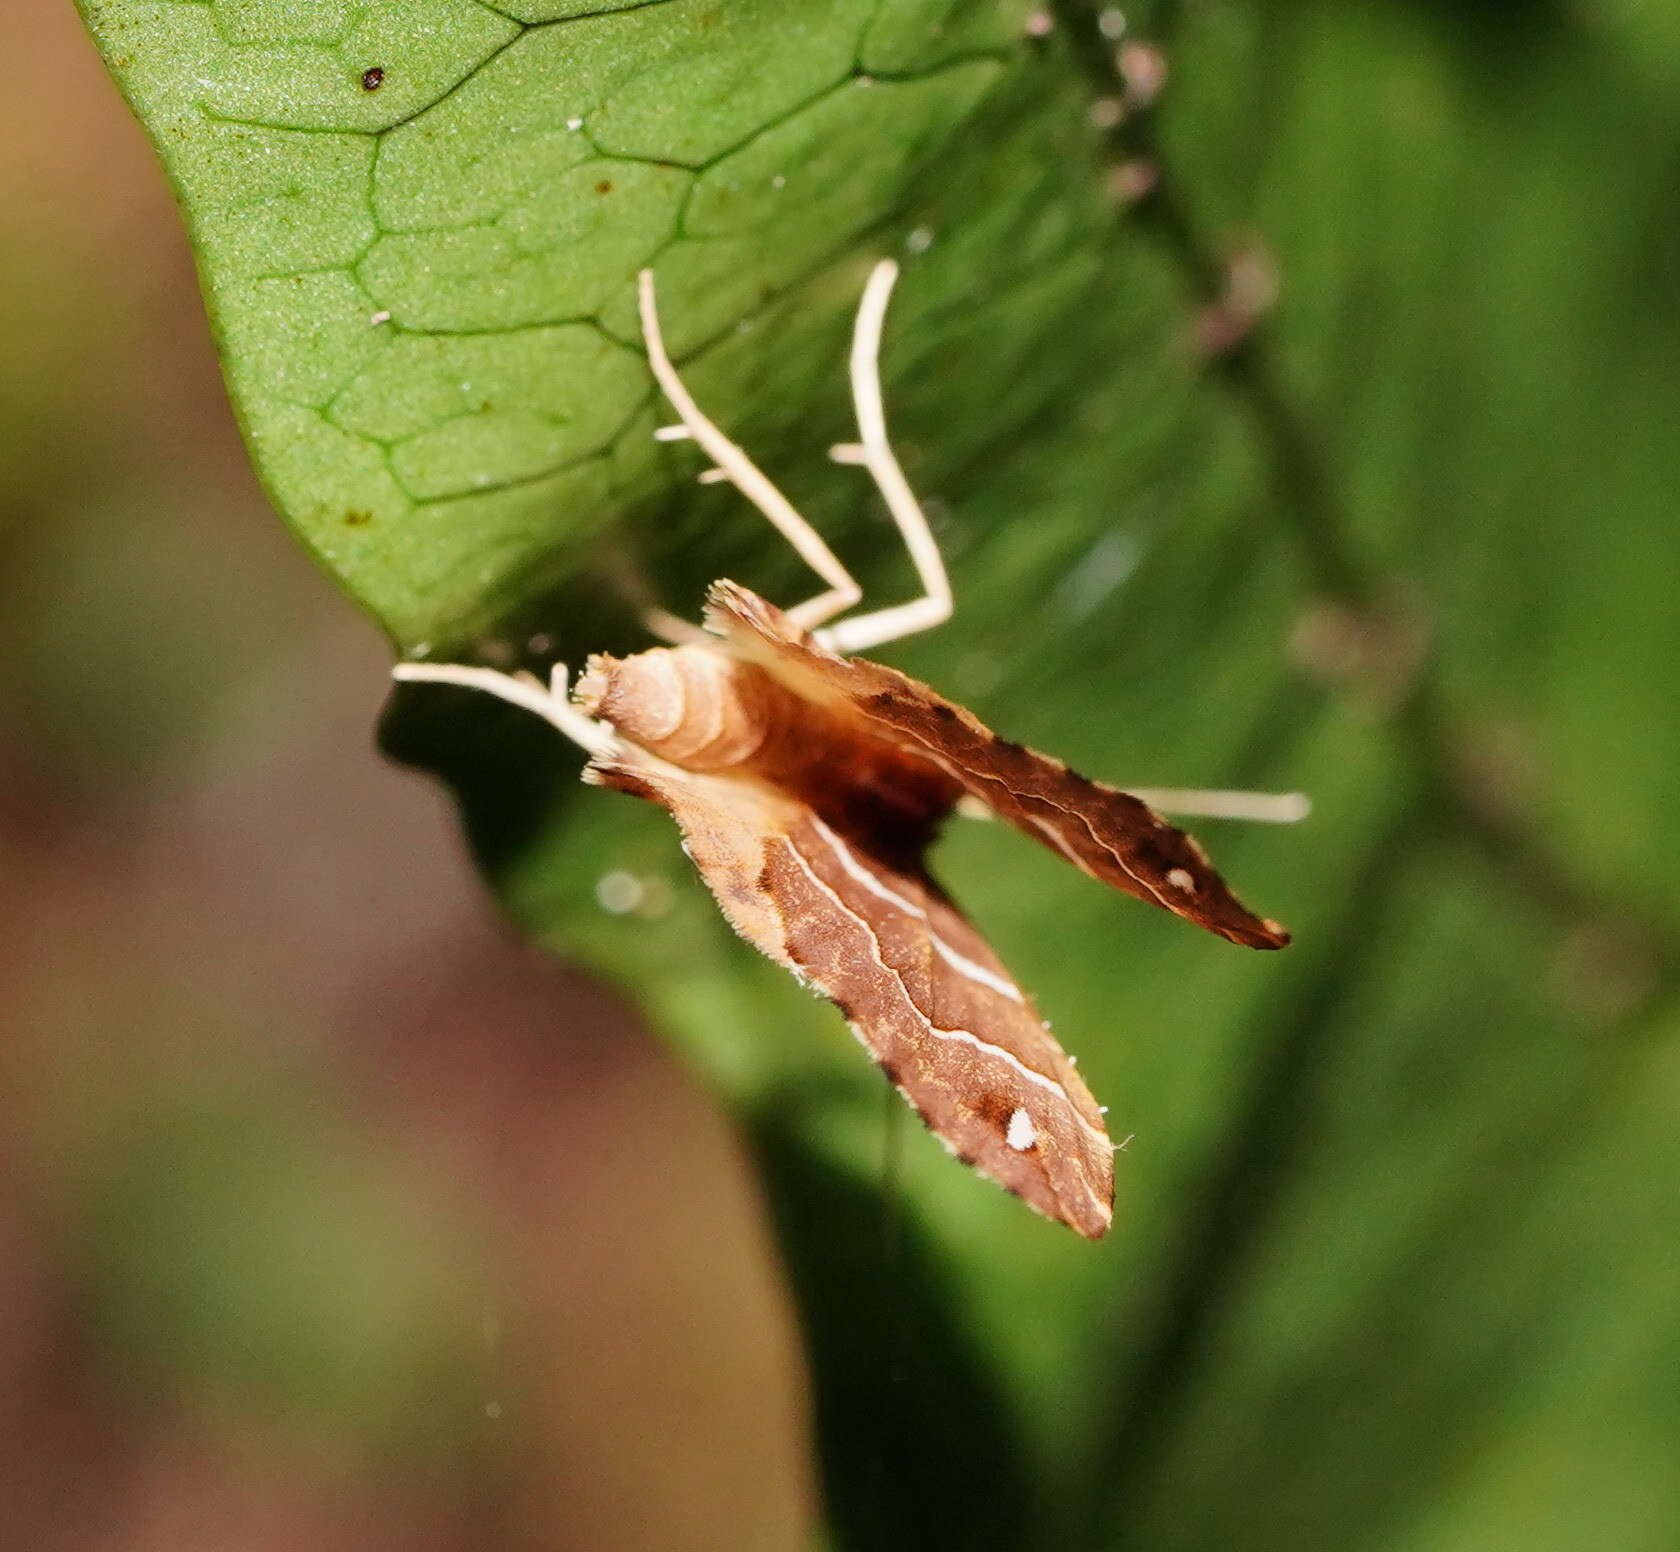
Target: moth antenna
x=674, y=629
x=520, y=689
x=746, y=476
x=1259, y=807
x=631, y=583
x=874, y=452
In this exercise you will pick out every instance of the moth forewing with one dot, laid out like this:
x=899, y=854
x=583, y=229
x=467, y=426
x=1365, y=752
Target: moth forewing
x=1107, y=833
x=920, y=988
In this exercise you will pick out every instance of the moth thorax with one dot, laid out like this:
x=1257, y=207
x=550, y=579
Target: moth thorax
x=697, y=708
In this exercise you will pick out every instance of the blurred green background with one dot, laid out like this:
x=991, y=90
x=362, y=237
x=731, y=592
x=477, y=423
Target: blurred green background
x=331, y=1214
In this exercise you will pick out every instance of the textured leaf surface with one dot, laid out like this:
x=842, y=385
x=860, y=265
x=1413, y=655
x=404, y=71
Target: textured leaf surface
x=1393, y=1254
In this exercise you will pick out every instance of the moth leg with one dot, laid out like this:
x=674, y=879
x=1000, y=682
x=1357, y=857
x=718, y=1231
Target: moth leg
x=874, y=453
x=549, y=702
x=1262, y=807
x=1188, y=803
x=746, y=476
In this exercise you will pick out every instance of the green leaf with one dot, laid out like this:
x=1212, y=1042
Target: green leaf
x=1389, y=1221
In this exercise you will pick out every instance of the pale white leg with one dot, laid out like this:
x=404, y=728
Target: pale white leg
x=747, y=477
x=1264, y=807
x=522, y=689
x=875, y=453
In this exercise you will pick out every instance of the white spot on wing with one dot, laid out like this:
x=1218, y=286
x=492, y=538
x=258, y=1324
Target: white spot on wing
x=1182, y=878
x=1022, y=1134
x=960, y=1036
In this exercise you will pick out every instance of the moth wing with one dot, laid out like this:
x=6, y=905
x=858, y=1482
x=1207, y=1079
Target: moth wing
x=1102, y=831
x=916, y=981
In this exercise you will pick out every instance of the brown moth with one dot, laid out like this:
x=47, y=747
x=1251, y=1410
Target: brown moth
x=809, y=785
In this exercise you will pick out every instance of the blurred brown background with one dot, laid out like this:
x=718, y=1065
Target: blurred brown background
x=254, y=1008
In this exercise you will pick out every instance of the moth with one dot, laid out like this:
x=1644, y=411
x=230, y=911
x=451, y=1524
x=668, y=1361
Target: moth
x=809, y=783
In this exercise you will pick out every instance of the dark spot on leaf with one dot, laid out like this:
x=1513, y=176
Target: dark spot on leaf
x=373, y=78
x=604, y=186
x=356, y=517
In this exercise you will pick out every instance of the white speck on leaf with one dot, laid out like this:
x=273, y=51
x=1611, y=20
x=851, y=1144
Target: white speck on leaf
x=1096, y=574
x=618, y=892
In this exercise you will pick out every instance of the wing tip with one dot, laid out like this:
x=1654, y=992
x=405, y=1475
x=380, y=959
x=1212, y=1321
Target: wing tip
x=1090, y=1213
x=731, y=607
x=1261, y=933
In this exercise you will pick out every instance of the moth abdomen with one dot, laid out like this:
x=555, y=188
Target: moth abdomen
x=714, y=714
x=689, y=705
